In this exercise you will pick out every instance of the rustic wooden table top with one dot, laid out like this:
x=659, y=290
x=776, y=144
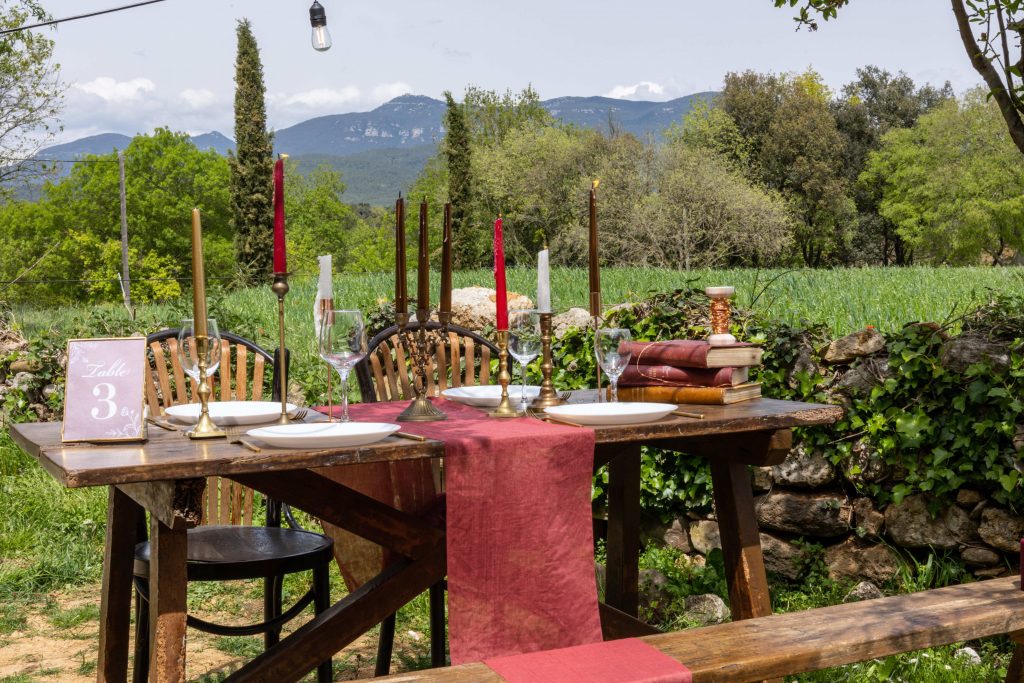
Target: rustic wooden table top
x=171, y=455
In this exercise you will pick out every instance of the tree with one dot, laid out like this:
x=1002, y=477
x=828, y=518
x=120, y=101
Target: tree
x=318, y=220
x=251, y=164
x=31, y=93
x=458, y=156
x=953, y=184
x=992, y=33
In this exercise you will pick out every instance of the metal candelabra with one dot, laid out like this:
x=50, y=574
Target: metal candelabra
x=420, y=345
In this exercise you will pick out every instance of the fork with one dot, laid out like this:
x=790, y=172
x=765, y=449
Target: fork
x=300, y=415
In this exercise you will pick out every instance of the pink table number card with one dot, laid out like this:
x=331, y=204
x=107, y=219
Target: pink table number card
x=105, y=391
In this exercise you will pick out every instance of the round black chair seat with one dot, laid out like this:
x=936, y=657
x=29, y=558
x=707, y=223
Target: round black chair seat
x=221, y=553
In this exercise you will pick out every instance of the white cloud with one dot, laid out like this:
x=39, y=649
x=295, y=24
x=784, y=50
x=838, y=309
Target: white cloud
x=644, y=90
x=320, y=98
x=389, y=91
x=197, y=99
x=112, y=90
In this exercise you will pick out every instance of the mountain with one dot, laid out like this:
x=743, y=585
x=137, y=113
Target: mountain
x=380, y=152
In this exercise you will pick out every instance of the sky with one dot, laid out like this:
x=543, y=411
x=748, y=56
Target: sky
x=172, y=63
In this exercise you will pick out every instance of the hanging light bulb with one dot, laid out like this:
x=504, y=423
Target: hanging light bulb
x=318, y=20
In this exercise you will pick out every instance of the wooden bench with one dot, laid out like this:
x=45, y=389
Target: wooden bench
x=786, y=644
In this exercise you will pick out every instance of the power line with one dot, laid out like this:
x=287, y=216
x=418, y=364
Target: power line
x=65, y=161
x=78, y=16
x=112, y=279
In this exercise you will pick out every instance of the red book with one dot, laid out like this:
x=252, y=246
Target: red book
x=280, y=265
x=500, y=290
x=693, y=353
x=671, y=376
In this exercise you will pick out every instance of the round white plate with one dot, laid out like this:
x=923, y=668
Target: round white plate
x=230, y=413
x=324, y=434
x=611, y=413
x=488, y=395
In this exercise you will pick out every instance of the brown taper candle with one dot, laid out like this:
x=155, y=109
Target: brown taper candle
x=423, y=268
x=401, y=288
x=446, y=261
x=595, y=272
x=198, y=278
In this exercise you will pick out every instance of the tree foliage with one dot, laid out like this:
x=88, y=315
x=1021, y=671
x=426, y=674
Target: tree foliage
x=251, y=164
x=458, y=155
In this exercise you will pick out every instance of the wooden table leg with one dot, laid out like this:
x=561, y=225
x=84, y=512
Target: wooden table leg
x=116, y=600
x=167, y=591
x=622, y=574
x=741, y=543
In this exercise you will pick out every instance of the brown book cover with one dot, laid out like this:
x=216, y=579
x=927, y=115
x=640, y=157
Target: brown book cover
x=693, y=353
x=670, y=376
x=714, y=396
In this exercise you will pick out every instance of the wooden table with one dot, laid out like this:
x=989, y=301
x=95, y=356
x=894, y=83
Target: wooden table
x=166, y=477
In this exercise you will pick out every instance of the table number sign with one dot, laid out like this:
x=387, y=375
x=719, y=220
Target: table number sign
x=105, y=390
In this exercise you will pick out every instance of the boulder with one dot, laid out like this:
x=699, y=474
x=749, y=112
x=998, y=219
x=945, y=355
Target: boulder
x=855, y=559
x=11, y=341
x=968, y=498
x=864, y=376
x=865, y=590
x=23, y=381
x=50, y=390
x=1018, y=438
x=761, y=479
x=991, y=572
x=25, y=365
x=704, y=536
x=970, y=654
x=804, y=470
x=812, y=514
x=857, y=345
x=961, y=352
x=675, y=536
x=654, y=592
x=910, y=524
x=705, y=609
x=1001, y=530
x=866, y=519
x=578, y=318
x=473, y=307
x=782, y=558
x=864, y=466
x=978, y=556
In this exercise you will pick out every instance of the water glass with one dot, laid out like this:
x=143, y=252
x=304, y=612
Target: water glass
x=190, y=348
x=342, y=344
x=611, y=355
x=524, y=340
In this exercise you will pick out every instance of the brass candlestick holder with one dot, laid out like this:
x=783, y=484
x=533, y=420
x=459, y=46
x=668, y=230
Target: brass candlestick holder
x=205, y=428
x=326, y=306
x=280, y=288
x=548, y=396
x=419, y=346
x=505, y=408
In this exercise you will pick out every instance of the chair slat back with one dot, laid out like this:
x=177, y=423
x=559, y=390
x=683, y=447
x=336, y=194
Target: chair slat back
x=240, y=377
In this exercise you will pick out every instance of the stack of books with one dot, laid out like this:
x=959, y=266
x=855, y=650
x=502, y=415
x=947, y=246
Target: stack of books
x=689, y=371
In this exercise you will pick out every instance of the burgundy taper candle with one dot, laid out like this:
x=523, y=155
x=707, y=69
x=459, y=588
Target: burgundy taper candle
x=500, y=287
x=401, y=287
x=423, y=268
x=280, y=261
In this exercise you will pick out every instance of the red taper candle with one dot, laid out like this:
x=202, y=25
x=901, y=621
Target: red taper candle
x=280, y=261
x=500, y=290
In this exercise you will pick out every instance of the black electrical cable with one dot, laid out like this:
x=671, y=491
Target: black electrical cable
x=78, y=16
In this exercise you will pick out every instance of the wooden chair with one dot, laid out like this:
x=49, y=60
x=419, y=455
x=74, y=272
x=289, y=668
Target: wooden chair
x=412, y=486
x=226, y=546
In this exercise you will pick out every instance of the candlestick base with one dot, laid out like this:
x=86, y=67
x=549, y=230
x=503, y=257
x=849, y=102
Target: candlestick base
x=205, y=427
x=505, y=407
x=421, y=410
x=420, y=346
x=280, y=289
x=548, y=396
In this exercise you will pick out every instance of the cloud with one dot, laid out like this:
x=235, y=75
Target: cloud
x=197, y=98
x=644, y=90
x=389, y=91
x=320, y=98
x=112, y=90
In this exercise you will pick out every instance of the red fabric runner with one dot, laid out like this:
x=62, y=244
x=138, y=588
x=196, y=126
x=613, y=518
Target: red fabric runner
x=520, y=537
x=616, y=661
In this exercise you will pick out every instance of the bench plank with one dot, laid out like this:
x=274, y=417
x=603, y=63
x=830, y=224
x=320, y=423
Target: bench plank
x=786, y=644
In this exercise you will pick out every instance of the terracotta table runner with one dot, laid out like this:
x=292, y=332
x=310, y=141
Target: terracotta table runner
x=616, y=661
x=519, y=531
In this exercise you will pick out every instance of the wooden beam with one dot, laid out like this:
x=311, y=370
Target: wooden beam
x=116, y=597
x=167, y=590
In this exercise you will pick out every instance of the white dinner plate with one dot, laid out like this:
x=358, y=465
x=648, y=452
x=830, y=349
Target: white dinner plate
x=611, y=413
x=324, y=434
x=488, y=395
x=230, y=413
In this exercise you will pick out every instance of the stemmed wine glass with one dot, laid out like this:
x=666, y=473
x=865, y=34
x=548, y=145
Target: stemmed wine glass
x=189, y=348
x=612, y=358
x=342, y=345
x=524, y=340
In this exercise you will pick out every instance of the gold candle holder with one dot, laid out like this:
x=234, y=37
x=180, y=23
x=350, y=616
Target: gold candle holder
x=420, y=344
x=548, y=396
x=280, y=288
x=505, y=408
x=205, y=428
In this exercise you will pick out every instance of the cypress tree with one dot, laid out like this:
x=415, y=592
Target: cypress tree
x=460, y=188
x=251, y=164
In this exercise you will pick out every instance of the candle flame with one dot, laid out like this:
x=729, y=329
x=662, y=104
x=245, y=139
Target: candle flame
x=597, y=181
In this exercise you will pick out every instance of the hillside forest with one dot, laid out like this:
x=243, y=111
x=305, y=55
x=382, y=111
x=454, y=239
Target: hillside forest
x=777, y=171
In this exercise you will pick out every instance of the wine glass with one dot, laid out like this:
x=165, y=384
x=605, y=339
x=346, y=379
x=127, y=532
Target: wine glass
x=342, y=345
x=189, y=348
x=611, y=356
x=524, y=340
